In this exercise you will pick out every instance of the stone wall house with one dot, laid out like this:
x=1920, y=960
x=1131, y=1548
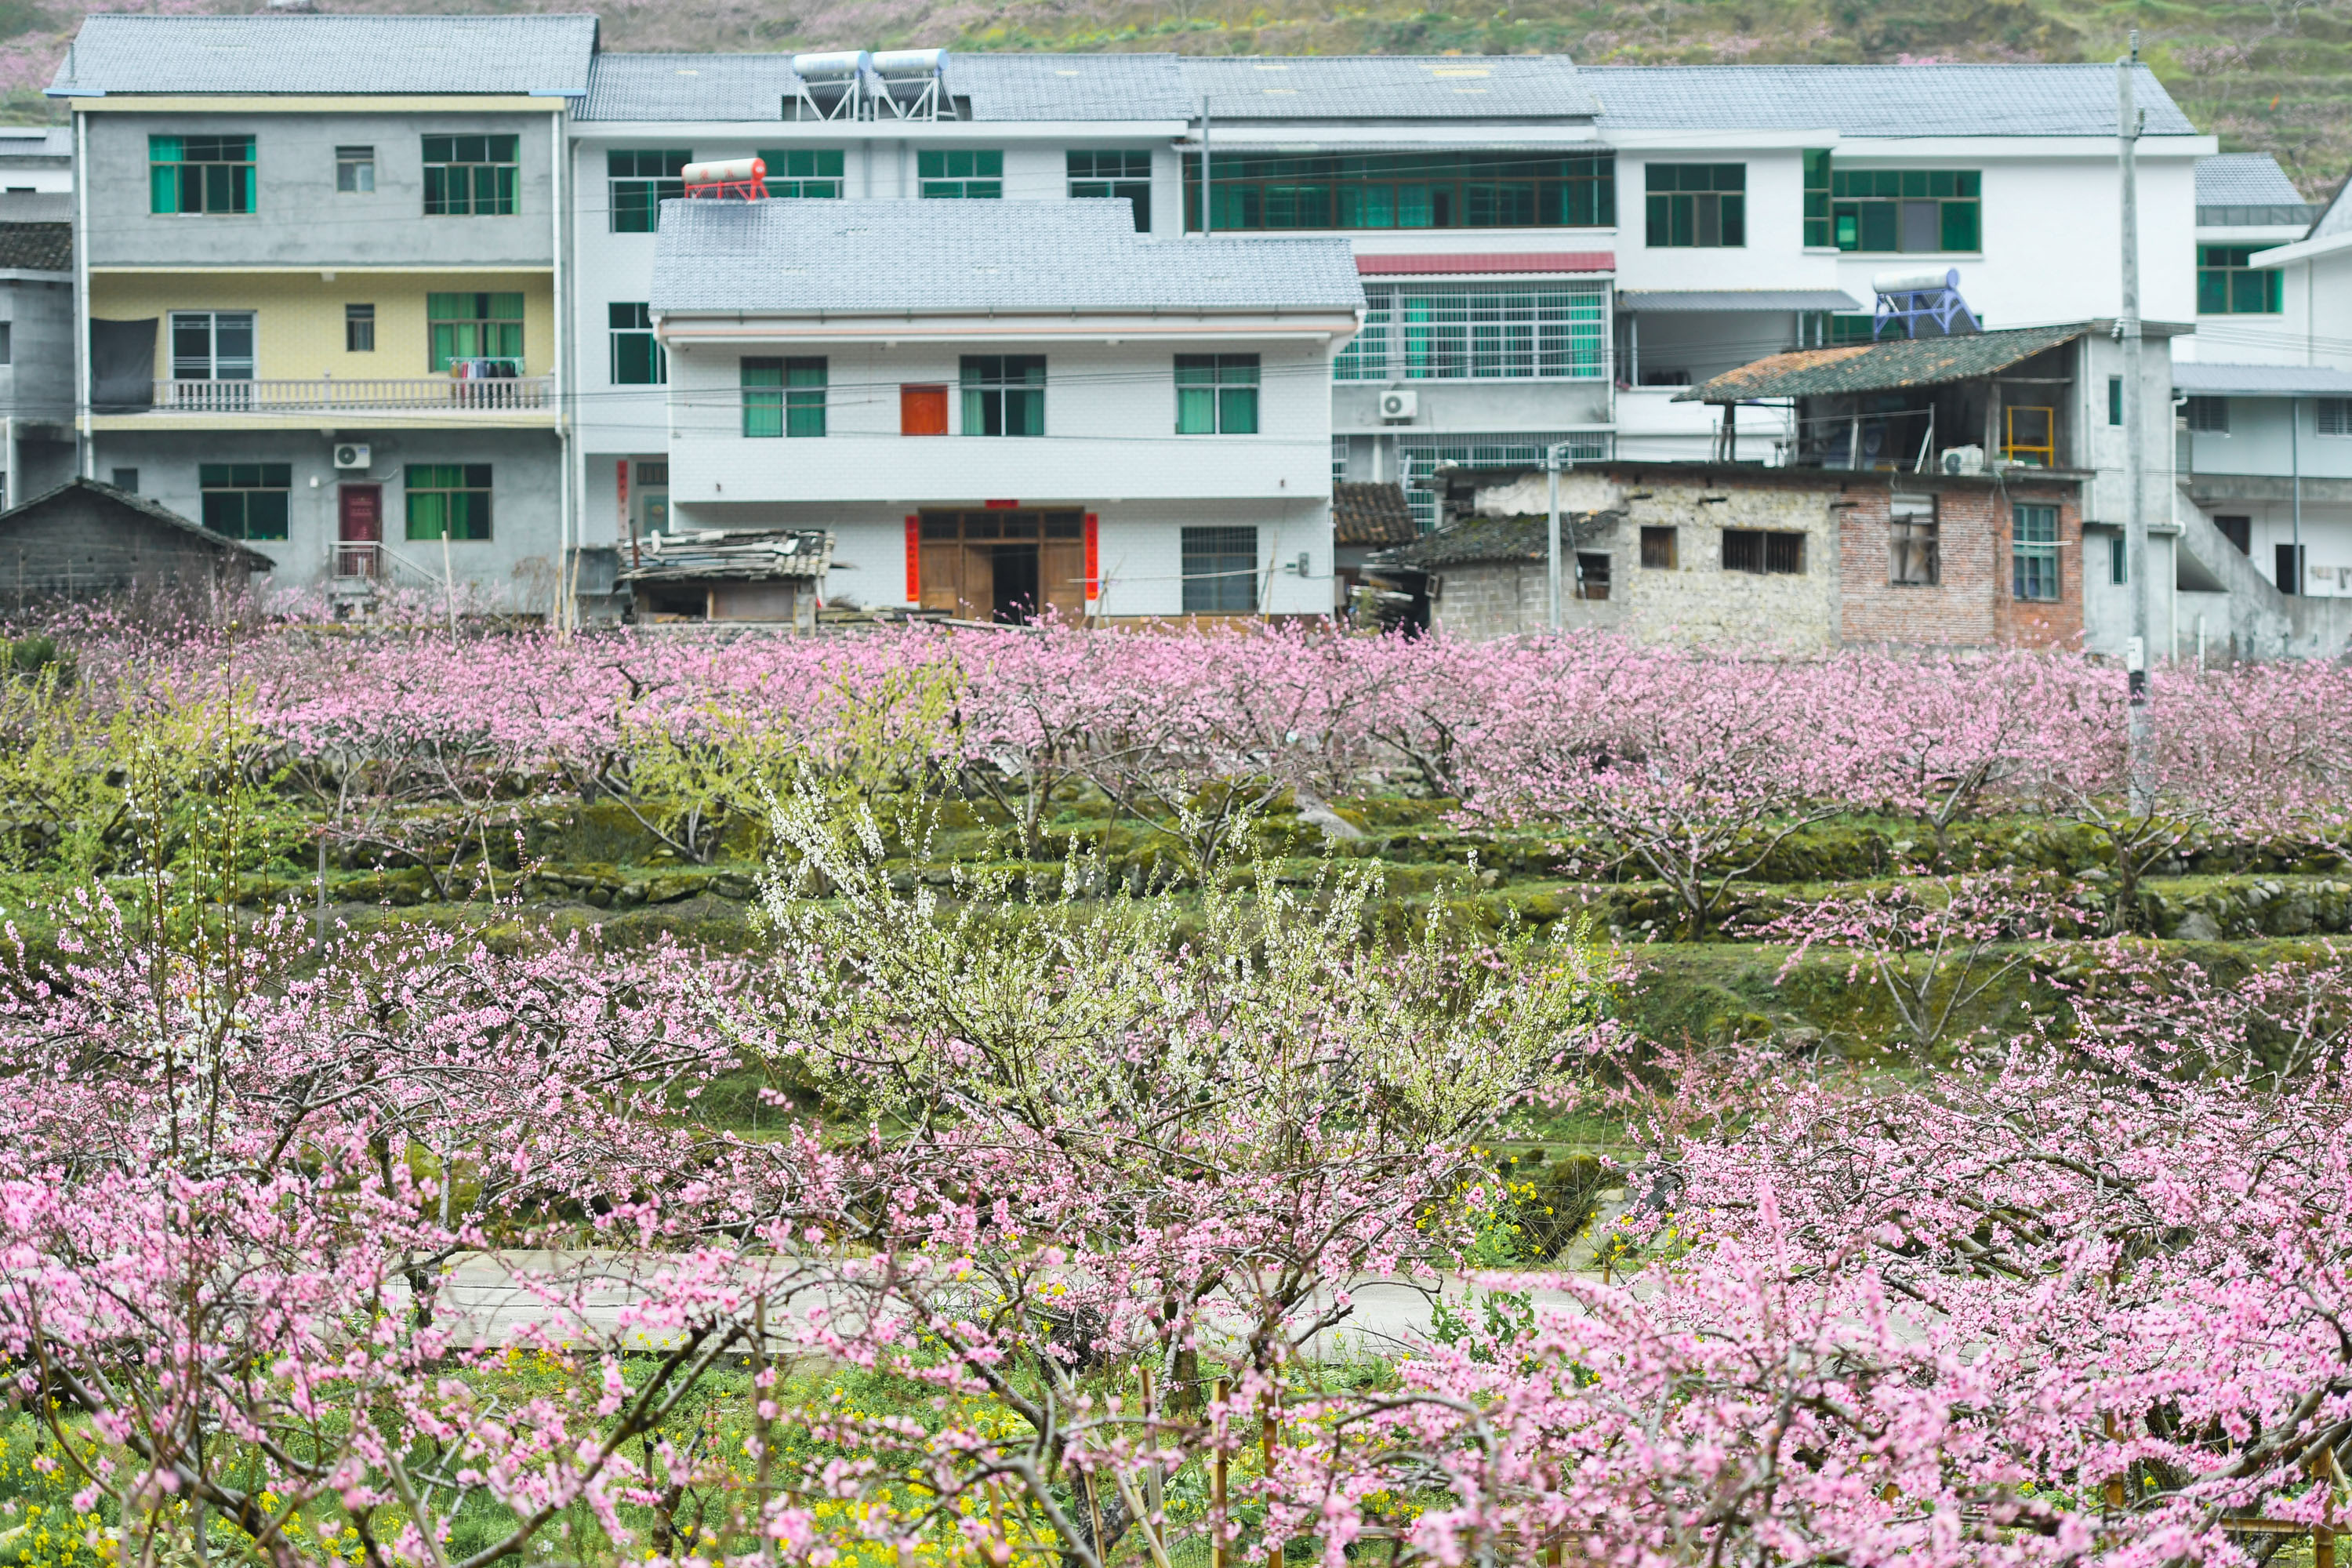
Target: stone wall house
x=1736, y=555
x=88, y=540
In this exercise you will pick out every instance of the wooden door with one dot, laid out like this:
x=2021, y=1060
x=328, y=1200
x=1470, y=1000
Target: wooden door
x=359, y=529
x=922, y=411
x=1061, y=577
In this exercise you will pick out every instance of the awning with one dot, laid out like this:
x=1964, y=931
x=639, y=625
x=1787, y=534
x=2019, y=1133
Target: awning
x=1693, y=299
x=2260, y=379
x=1451, y=265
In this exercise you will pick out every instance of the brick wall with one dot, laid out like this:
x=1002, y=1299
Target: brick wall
x=1973, y=605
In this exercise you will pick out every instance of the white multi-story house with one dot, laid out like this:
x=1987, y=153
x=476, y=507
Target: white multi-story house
x=1033, y=408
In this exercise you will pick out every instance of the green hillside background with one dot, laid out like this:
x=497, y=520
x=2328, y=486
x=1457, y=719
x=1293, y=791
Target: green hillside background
x=2273, y=76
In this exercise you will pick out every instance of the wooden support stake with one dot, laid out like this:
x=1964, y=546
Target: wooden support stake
x=1217, y=1494
x=1269, y=1437
x=1153, y=1499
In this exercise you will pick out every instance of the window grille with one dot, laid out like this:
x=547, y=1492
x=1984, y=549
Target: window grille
x=1419, y=457
x=1221, y=569
x=1554, y=333
x=2208, y=416
x=2333, y=415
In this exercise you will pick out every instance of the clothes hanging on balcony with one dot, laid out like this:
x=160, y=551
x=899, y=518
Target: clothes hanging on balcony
x=484, y=368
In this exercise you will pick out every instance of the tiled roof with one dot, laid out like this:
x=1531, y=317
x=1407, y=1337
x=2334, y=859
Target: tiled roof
x=36, y=247
x=1478, y=538
x=785, y=256
x=1402, y=86
x=1071, y=87
x=688, y=87
x=1878, y=101
x=1371, y=514
x=2244, y=180
x=1881, y=368
x=334, y=54
x=999, y=86
x=154, y=510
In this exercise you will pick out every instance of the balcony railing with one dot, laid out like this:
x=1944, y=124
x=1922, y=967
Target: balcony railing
x=330, y=394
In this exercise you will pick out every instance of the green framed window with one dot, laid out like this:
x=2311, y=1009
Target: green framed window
x=469, y=176
x=473, y=327
x=639, y=180
x=1114, y=175
x=2033, y=550
x=637, y=357
x=784, y=396
x=1479, y=335
x=1817, y=200
x=2115, y=400
x=246, y=501
x=449, y=500
x=1696, y=205
x=2227, y=286
x=976, y=173
x=1219, y=566
x=1900, y=210
x=1003, y=394
x=207, y=175
x=803, y=174
x=1216, y=395
x=1413, y=190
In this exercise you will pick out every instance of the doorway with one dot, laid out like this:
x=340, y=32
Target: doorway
x=1003, y=565
x=1015, y=583
x=359, y=529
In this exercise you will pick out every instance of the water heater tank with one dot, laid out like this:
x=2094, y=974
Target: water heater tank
x=839, y=65
x=904, y=65
x=733, y=170
x=1922, y=281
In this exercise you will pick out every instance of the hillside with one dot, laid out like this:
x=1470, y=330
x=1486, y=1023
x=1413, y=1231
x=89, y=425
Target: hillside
x=2271, y=76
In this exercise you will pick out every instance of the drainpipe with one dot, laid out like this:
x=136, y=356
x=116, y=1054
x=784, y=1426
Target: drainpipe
x=82, y=401
x=2135, y=461
x=2294, y=469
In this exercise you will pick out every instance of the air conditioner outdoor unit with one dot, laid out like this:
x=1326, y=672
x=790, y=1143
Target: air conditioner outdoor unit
x=1963, y=460
x=1400, y=405
x=350, y=455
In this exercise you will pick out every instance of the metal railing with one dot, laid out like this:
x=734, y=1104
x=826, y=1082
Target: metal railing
x=371, y=560
x=329, y=394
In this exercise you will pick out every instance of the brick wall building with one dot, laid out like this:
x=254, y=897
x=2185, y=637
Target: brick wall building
x=1736, y=555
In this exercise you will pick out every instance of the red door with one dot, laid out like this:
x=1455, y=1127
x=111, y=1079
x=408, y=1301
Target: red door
x=922, y=410
x=359, y=528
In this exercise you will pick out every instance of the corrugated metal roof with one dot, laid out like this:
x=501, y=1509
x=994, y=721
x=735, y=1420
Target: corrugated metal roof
x=1071, y=87
x=36, y=247
x=786, y=257
x=2260, y=379
x=1371, y=514
x=1402, y=86
x=1669, y=301
x=2244, y=180
x=1881, y=368
x=1878, y=101
x=299, y=54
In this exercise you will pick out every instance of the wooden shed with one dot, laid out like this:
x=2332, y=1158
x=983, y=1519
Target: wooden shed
x=85, y=539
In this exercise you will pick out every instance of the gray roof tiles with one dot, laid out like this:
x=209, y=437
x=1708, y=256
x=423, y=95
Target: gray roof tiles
x=1399, y=87
x=36, y=247
x=785, y=258
x=688, y=87
x=1879, y=100
x=334, y=54
x=1071, y=87
x=2244, y=180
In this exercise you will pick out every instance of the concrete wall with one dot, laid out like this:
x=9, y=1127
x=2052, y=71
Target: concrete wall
x=38, y=381
x=1110, y=419
x=300, y=219
x=517, y=563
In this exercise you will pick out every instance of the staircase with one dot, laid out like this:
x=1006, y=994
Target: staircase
x=2259, y=622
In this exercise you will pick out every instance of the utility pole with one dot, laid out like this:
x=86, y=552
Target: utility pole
x=1555, y=457
x=2127, y=328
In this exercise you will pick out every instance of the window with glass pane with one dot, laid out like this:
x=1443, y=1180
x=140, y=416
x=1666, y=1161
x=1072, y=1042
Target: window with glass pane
x=2208, y=416
x=806, y=174
x=1366, y=357
x=246, y=501
x=211, y=175
x=475, y=330
x=1216, y=395
x=449, y=500
x=1483, y=335
x=976, y=173
x=637, y=357
x=1905, y=209
x=2034, y=551
x=763, y=381
x=1914, y=550
x=1413, y=190
x=1696, y=203
x=804, y=397
x=212, y=345
x=359, y=329
x=1003, y=394
x=1220, y=568
x=2227, y=286
x=2331, y=415
x=1118, y=174
x=1817, y=199
x=639, y=180
x=469, y=176
x=355, y=170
